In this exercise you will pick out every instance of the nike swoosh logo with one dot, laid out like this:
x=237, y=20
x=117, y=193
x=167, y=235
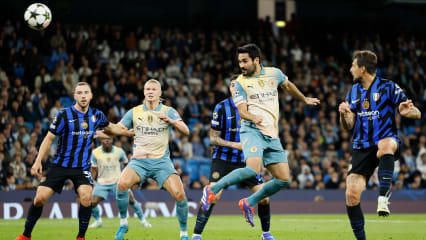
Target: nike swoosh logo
x=71, y=120
x=231, y=117
x=250, y=86
x=355, y=101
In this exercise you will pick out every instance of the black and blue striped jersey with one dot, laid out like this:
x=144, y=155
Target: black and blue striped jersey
x=375, y=110
x=227, y=120
x=76, y=130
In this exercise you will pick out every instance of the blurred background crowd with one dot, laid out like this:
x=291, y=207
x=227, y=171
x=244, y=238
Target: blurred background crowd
x=37, y=78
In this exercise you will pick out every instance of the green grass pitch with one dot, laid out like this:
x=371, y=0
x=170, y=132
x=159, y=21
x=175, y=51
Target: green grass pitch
x=300, y=227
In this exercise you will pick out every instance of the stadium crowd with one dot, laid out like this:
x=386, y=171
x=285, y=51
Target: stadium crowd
x=39, y=69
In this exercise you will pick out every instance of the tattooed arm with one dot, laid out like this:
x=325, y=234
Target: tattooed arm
x=216, y=140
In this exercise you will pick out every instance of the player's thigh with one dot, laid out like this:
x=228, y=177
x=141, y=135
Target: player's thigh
x=129, y=177
x=253, y=146
x=42, y=195
x=387, y=146
x=55, y=178
x=174, y=186
x=255, y=163
x=355, y=185
x=280, y=170
x=102, y=191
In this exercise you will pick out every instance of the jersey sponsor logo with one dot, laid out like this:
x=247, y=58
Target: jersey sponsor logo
x=84, y=133
x=370, y=114
x=376, y=97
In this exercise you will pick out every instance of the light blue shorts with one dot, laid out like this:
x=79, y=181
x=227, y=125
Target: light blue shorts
x=158, y=169
x=255, y=144
x=103, y=190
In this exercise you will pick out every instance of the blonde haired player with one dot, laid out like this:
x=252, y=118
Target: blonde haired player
x=107, y=161
x=152, y=123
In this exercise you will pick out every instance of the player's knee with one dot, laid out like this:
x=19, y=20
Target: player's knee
x=352, y=197
x=39, y=200
x=122, y=186
x=264, y=201
x=85, y=200
x=179, y=195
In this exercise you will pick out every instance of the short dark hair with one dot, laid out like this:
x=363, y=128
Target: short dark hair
x=82, y=84
x=252, y=49
x=367, y=59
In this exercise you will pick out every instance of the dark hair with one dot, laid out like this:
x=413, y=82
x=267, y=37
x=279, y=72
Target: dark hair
x=234, y=77
x=367, y=59
x=252, y=49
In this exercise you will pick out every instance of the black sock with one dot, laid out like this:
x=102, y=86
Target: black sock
x=83, y=219
x=385, y=173
x=264, y=213
x=202, y=218
x=357, y=221
x=34, y=214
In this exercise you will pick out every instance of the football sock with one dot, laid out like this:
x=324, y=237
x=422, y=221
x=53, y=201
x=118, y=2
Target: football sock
x=233, y=177
x=264, y=212
x=269, y=189
x=182, y=214
x=122, y=203
x=95, y=213
x=83, y=219
x=202, y=218
x=357, y=221
x=138, y=210
x=385, y=173
x=34, y=214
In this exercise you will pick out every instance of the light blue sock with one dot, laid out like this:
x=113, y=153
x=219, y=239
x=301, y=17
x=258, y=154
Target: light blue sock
x=269, y=189
x=182, y=214
x=122, y=203
x=95, y=213
x=234, y=177
x=138, y=210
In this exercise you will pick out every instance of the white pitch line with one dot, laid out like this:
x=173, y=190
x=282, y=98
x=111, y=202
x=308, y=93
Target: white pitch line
x=341, y=220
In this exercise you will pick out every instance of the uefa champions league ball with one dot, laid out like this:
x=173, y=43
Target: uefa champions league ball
x=38, y=16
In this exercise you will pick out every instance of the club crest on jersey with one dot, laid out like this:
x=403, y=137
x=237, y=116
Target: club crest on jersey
x=253, y=149
x=376, y=97
x=261, y=83
x=84, y=125
x=150, y=118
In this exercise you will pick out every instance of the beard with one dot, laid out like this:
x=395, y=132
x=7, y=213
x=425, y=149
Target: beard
x=249, y=72
x=357, y=79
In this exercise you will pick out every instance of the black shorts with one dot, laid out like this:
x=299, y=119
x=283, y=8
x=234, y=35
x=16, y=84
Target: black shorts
x=56, y=176
x=364, y=161
x=221, y=168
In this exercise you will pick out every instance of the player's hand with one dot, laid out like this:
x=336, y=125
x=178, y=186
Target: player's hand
x=406, y=107
x=166, y=119
x=37, y=169
x=312, y=101
x=257, y=119
x=237, y=145
x=344, y=108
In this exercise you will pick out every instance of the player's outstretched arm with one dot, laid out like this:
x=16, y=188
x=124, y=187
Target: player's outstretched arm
x=408, y=110
x=37, y=169
x=117, y=129
x=296, y=93
x=347, y=117
x=216, y=140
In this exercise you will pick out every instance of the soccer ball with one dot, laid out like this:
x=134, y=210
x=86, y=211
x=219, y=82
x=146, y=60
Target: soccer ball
x=38, y=16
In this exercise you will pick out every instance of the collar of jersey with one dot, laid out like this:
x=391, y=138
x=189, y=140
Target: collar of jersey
x=262, y=72
x=78, y=112
x=371, y=85
x=112, y=150
x=153, y=110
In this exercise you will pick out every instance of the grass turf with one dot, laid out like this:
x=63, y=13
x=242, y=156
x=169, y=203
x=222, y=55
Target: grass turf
x=300, y=227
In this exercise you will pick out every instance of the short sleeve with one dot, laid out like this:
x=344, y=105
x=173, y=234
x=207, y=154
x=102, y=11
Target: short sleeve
x=173, y=114
x=123, y=157
x=94, y=160
x=58, y=123
x=348, y=99
x=217, y=117
x=102, y=120
x=127, y=119
x=397, y=95
x=240, y=95
x=281, y=77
